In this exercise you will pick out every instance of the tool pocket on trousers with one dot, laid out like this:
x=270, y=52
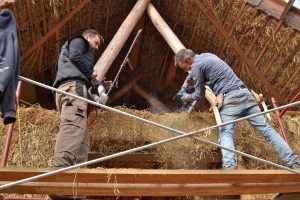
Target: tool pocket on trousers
x=81, y=116
x=68, y=112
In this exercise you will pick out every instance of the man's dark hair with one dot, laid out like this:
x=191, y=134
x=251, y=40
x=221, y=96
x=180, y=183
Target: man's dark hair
x=93, y=33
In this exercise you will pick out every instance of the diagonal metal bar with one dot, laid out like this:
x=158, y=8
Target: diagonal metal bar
x=181, y=135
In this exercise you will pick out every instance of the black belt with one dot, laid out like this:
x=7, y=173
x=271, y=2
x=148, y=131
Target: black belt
x=238, y=88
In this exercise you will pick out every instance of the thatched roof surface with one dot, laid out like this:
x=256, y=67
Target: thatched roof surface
x=262, y=50
x=36, y=130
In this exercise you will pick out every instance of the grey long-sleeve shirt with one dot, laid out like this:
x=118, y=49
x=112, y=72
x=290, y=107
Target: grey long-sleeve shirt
x=209, y=69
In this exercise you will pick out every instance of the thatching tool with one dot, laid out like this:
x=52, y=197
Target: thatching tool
x=185, y=106
x=263, y=103
x=212, y=99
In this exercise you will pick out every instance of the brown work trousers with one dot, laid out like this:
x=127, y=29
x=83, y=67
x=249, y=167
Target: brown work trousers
x=73, y=142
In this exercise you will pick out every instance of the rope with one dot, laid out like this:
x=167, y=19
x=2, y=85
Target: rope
x=126, y=60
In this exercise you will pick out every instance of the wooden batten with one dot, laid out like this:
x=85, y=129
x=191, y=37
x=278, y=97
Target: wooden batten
x=118, y=41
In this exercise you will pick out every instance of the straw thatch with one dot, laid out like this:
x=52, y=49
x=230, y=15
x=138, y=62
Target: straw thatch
x=33, y=146
x=253, y=31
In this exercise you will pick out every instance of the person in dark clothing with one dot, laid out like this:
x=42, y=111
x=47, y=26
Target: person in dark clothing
x=9, y=65
x=74, y=75
x=75, y=69
x=208, y=69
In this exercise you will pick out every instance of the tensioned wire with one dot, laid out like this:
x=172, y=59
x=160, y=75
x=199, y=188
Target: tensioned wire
x=182, y=135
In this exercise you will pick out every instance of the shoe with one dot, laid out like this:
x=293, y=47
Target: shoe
x=296, y=166
x=229, y=168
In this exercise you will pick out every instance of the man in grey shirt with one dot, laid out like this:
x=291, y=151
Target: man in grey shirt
x=208, y=69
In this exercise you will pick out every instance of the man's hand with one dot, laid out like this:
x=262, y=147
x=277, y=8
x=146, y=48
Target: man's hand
x=94, y=76
x=107, y=85
x=218, y=102
x=259, y=98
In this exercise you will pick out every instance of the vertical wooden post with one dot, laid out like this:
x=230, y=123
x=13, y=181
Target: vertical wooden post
x=119, y=39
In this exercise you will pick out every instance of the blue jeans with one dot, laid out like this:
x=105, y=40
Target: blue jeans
x=241, y=103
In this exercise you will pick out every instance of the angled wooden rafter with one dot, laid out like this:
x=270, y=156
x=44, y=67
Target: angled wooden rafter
x=276, y=55
x=30, y=20
x=42, y=5
x=119, y=39
x=53, y=31
x=261, y=76
x=233, y=26
x=279, y=9
x=286, y=9
x=107, y=17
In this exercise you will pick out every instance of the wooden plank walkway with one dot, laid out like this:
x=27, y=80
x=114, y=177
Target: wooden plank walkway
x=144, y=182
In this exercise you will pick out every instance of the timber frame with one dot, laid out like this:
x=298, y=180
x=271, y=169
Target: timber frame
x=142, y=182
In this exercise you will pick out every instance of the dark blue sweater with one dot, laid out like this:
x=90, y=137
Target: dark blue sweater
x=209, y=69
x=9, y=65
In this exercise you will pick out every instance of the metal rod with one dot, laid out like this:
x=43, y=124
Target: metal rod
x=9, y=132
x=124, y=61
x=292, y=100
x=280, y=121
x=182, y=135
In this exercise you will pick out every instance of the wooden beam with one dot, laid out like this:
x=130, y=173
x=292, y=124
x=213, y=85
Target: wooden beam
x=203, y=33
x=119, y=39
x=276, y=55
x=57, y=43
x=52, y=32
x=165, y=67
x=152, y=175
x=261, y=76
x=248, y=26
x=107, y=18
x=154, y=189
x=286, y=9
x=290, y=80
x=257, y=35
x=196, y=27
x=30, y=21
x=67, y=2
x=148, y=182
x=276, y=8
x=169, y=36
x=186, y=17
x=233, y=26
x=267, y=44
x=42, y=5
x=172, y=40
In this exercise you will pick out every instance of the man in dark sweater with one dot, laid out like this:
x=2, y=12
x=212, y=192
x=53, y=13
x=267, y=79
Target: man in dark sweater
x=75, y=69
x=208, y=69
x=9, y=65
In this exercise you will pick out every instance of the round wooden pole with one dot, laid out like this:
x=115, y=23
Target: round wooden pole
x=170, y=37
x=119, y=39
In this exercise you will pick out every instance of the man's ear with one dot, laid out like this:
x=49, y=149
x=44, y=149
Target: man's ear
x=189, y=60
